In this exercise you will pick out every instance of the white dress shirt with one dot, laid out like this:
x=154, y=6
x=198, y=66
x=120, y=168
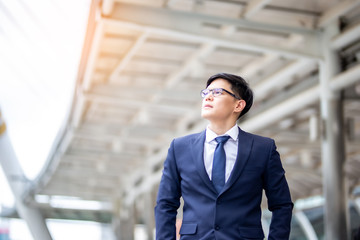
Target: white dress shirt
x=230, y=147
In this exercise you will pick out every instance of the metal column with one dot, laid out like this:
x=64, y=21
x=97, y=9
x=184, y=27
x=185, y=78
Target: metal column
x=333, y=146
x=18, y=183
x=127, y=222
x=123, y=220
x=149, y=216
x=115, y=225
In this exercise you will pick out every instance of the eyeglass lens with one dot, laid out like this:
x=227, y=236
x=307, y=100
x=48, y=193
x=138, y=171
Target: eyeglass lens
x=215, y=92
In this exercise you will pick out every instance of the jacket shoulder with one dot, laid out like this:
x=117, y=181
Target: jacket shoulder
x=187, y=138
x=257, y=138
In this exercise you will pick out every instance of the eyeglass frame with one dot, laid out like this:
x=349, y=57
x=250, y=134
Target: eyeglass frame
x=212, y=92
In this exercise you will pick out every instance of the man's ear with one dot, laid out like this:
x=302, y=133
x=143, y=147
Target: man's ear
x=240, y=106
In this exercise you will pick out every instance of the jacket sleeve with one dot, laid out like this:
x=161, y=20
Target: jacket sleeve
x=168, y=198
x=278, y=195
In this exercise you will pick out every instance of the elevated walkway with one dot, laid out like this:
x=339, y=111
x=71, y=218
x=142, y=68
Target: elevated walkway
x=138, y=84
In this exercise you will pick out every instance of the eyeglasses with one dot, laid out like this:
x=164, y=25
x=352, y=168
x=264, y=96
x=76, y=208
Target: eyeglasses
x=216, y=92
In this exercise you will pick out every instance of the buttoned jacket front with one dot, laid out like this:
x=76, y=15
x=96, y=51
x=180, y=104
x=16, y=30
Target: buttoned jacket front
x=235, y=212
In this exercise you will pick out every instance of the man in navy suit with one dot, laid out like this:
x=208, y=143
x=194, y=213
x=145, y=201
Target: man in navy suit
x=225, y=205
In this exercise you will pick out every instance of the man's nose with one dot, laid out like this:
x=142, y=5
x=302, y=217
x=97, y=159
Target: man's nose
x=210, y=96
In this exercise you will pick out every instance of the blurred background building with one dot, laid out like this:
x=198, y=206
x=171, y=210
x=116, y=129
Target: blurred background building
x=134, y=73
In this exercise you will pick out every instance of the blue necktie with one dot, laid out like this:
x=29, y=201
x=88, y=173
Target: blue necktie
x=218, y=170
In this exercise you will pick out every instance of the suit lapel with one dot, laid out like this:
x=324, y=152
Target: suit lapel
x=244, y=148
x=197, y=152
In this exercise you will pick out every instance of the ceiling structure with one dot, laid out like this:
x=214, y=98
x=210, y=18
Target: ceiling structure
x=143, y=66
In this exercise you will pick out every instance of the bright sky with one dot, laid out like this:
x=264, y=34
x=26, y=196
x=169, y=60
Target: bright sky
x=40, y=47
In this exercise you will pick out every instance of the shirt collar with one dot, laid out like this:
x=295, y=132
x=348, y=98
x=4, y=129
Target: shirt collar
x=232, y=132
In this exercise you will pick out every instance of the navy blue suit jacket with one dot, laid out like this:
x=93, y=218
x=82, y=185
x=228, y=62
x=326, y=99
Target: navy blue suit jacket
x=235, y=212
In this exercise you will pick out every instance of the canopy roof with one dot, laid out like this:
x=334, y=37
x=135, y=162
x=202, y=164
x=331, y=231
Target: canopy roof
x=145, y=61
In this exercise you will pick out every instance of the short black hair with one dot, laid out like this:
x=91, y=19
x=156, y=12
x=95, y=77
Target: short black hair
x=239, y=86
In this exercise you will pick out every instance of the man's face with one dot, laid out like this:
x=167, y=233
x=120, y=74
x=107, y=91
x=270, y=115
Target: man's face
x=219, y=108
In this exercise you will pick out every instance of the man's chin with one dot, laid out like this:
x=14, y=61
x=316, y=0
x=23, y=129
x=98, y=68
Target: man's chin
x=206, y=115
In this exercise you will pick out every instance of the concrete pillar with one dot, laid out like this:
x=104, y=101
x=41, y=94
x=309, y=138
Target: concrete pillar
x=123, y=221
x=18, y=185
x=333, y=145
x=127, y=222
x=149, y=216
x=115, y=224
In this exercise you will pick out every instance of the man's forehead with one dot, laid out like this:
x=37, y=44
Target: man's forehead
x=219, y=82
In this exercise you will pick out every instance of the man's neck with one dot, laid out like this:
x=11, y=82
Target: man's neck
x=221, y=128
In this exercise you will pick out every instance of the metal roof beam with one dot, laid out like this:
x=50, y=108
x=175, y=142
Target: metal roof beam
x=347, y=37
x=281, y=77
x=253, y=7
x=200, y=54
x=335, y=12
x=189, y=26
x=310, y=53
x=107, y=6
x=300, y=101
x=190, y=21
x=135, y=103
x=125, y=60
x=250, y=69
